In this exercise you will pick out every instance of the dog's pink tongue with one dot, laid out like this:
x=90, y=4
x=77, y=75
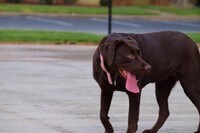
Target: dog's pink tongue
x=131, y=83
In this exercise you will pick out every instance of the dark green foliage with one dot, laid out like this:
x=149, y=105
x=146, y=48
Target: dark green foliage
x=14, y=1
x=49, y=2
x=104, y=2
x=70, y=1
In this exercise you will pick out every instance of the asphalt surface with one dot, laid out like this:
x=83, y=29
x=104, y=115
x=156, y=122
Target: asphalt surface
x=50, y=89
x=94, y=25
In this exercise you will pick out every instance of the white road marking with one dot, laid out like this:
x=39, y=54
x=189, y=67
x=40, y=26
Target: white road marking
x=49, y=21
x=118, y=22
x=182, y=23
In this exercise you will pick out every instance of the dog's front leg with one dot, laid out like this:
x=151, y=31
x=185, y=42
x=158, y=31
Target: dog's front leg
x=106, y=98
x=134, y=105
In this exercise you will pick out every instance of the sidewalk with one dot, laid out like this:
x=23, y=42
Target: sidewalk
x=50, y=89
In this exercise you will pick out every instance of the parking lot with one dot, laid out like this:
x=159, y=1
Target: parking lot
x=96, y=25
x=50, y=89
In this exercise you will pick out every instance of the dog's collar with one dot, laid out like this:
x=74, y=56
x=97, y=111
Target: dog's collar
x=105, y=70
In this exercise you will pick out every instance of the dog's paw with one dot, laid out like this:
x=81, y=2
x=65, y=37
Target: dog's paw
x=109, y=131
x=147, y=131
x=131, y=131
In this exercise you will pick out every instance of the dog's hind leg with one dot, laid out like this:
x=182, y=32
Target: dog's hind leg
x=190, y=81
x=163, y=89
x=191, y=86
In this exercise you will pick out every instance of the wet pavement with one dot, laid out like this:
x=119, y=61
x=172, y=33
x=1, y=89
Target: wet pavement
x=50, y=89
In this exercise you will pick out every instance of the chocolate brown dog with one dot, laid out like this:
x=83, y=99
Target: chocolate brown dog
x=128, y=62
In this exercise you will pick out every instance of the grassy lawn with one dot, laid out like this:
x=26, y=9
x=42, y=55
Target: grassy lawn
x=175, y=10
x=128, y=10
x=194, y=36
x=72, y=9
x=36, y=36
x=50, y=9
x=132, y=10
x=53, y=37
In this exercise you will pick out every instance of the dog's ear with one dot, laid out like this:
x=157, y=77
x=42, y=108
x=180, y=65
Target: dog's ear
x=108, y=50
x=111, y=52
x=108, y=47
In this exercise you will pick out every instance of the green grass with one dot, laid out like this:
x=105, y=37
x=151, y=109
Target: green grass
x=36, y=36
x=194, y=36
x=73, y=9
x=175, y=10
x=132, y=10
x=126, y=10
x=57, y=37
x=50, y=9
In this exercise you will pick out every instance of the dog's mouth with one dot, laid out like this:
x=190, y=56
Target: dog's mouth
x=124, y=73
x=131, y=80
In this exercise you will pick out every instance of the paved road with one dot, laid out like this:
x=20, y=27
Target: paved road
x=50, y=89
x=94, y=25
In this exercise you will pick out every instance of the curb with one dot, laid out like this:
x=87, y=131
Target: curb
x=156, y=17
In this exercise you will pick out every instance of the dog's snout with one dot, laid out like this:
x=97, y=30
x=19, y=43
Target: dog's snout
x=147, y=68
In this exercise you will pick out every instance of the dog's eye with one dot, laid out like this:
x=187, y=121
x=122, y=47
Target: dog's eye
x=131, y=56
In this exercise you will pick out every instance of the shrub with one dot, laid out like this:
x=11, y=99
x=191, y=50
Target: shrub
x=46, y=1
x=70, y=1
x=49, y=2
x=104, y=2
x=14, y=1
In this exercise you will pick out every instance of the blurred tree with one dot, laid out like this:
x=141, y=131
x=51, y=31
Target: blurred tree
x=70, y=1
x=104, y=2
x=14, y=1
x=49, y=2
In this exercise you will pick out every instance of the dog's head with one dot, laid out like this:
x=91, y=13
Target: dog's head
x=123, y=55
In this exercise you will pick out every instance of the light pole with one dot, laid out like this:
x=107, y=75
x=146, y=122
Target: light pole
x=109, y=16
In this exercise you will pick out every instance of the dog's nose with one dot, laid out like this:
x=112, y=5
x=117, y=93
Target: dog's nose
x=147, y=68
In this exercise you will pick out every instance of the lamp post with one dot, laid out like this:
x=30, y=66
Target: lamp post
x=109, y=16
